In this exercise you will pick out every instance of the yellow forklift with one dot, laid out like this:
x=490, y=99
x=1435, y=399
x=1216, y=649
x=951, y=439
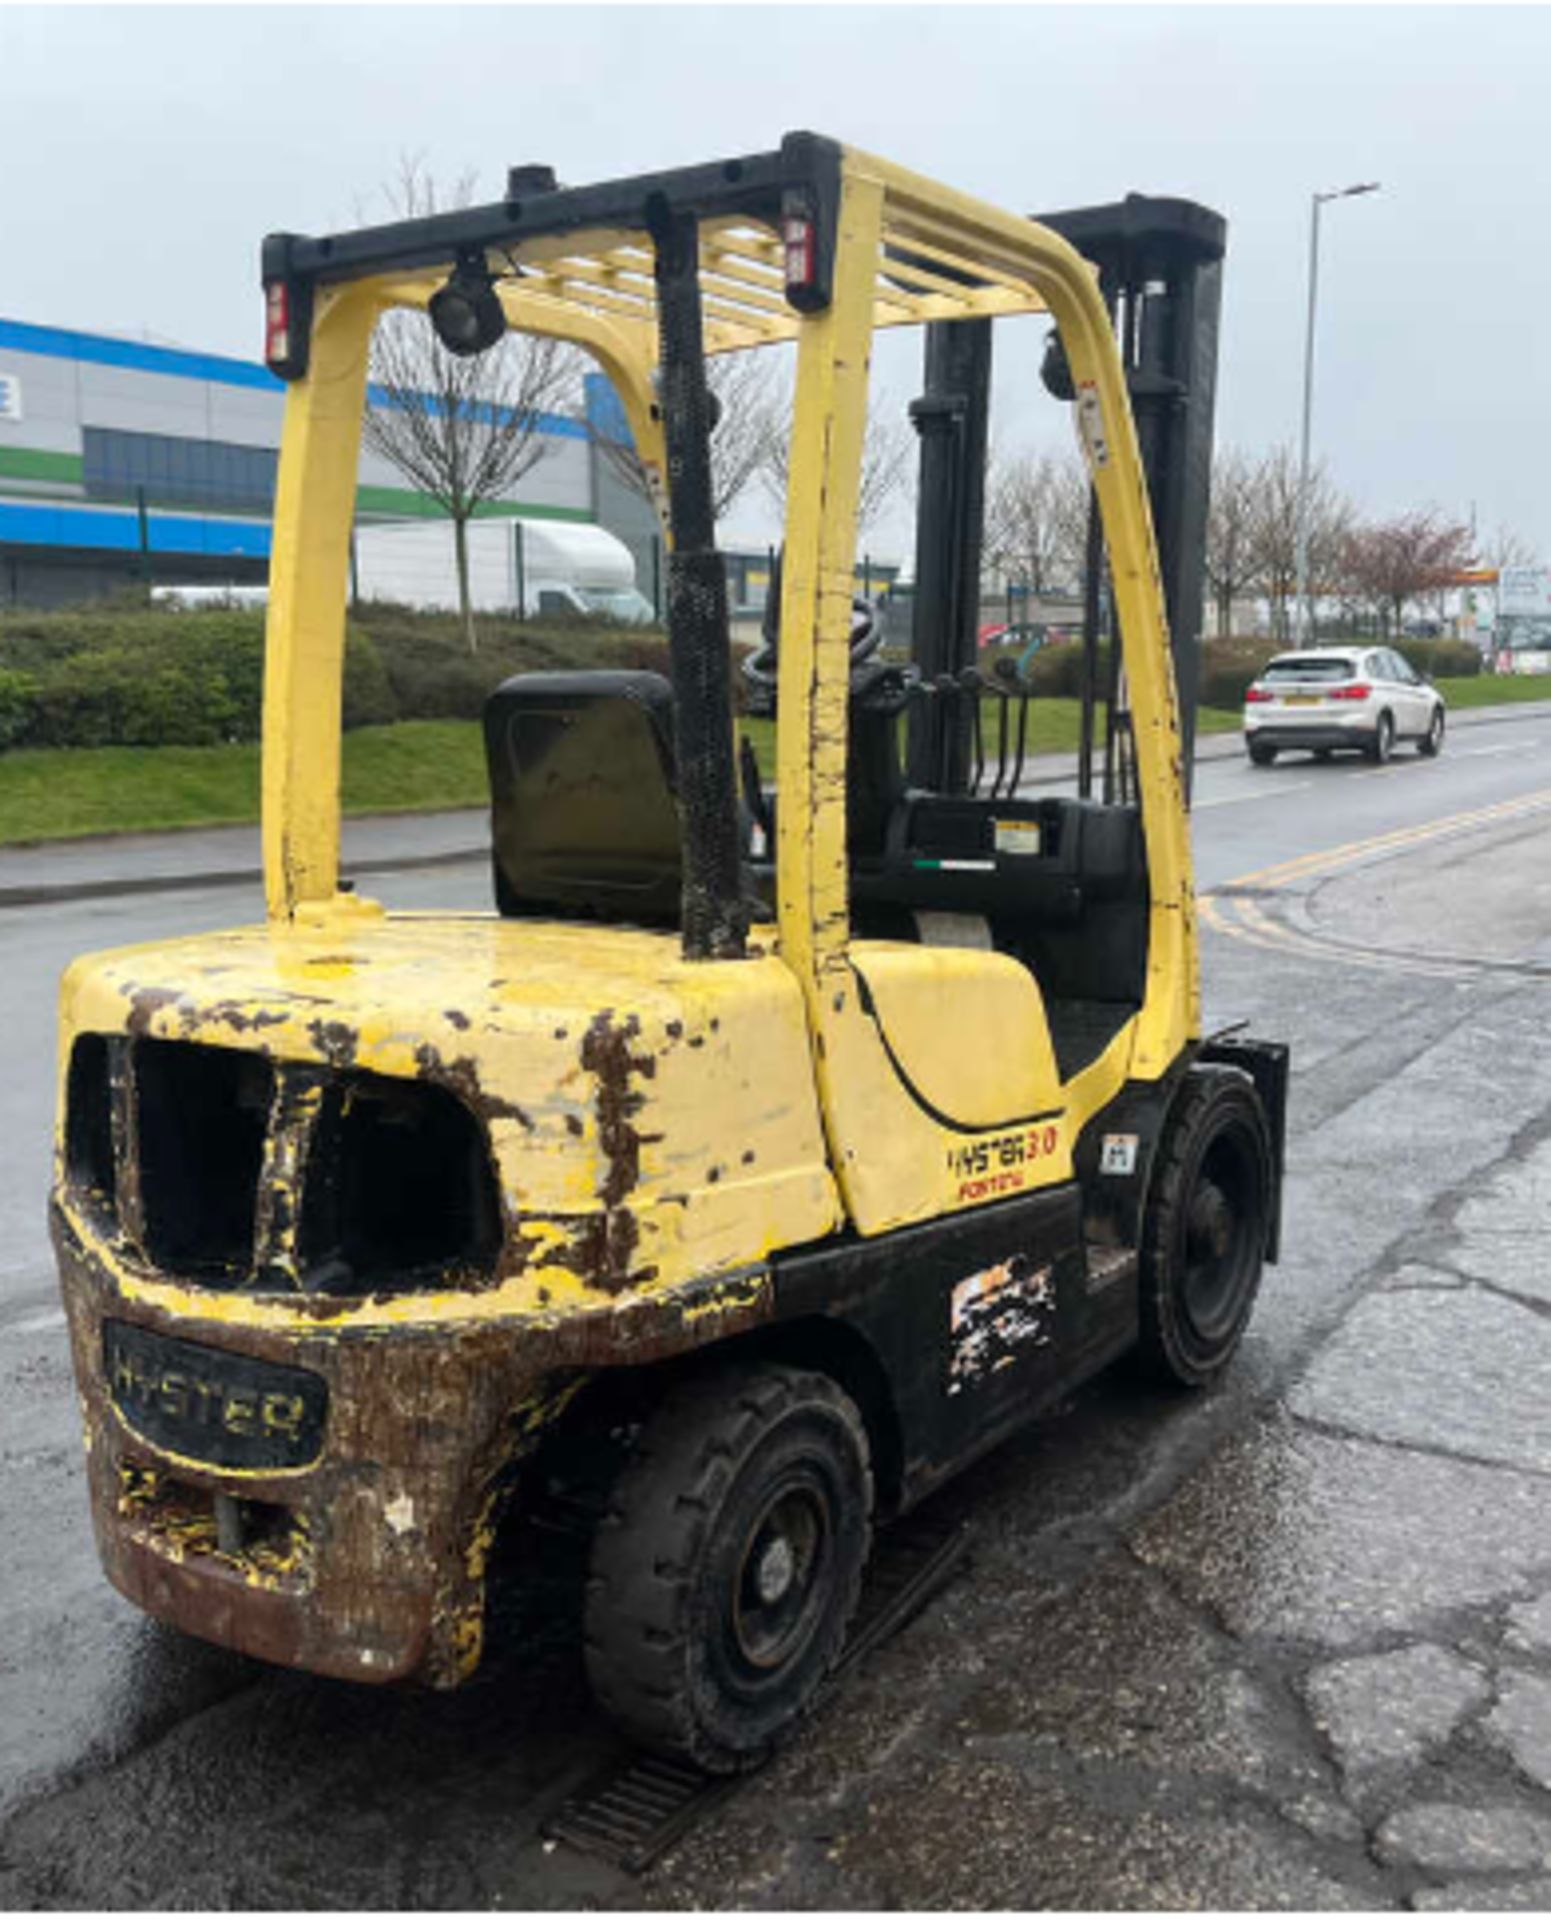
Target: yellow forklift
x=776, y=1151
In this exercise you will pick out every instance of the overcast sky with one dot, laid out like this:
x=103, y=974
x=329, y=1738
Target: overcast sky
x=145, y=151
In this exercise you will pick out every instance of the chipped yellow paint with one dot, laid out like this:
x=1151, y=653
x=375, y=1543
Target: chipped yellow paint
x=731, y=1156
x=734, y=1297
x=161, y=1519
x=464, y=1632
x=463, y=1615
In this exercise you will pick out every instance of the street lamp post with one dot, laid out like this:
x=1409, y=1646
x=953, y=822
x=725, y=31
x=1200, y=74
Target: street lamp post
x=1302, y=596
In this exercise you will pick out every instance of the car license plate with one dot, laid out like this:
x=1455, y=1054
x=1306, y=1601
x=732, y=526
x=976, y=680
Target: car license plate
x=1300, y=699
x=224, y=1409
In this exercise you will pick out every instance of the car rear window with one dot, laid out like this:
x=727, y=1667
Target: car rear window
x=1311, y=669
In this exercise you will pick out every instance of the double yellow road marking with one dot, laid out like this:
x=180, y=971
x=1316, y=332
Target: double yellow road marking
x=1240, y=913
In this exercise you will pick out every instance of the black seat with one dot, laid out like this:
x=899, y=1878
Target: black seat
x=583, y=814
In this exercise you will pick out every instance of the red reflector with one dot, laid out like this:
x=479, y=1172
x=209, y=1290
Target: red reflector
x=1258, y=693
x=277, y=323
x=797, y=239
x=1359, y=690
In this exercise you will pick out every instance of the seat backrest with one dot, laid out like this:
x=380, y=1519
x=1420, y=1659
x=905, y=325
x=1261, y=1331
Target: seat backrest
x=582, y=807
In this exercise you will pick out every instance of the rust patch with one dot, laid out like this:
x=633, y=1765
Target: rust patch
x=602, y=1248
x=461, y=1076
x=336, y=1040
x=370, y=1565
x=231, y=1013
x=606, y=1054
x=144, y=1005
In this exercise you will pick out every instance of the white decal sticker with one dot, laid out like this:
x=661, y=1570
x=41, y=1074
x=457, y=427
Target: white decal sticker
x=1118, y=1154
x=1018, y=836
x=994, y=1315
x=1090, y=424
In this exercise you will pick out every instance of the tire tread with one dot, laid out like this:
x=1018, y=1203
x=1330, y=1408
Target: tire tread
x=691, y=1449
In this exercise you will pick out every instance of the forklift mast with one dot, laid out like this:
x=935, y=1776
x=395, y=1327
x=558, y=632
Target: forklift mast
x=1160, y=272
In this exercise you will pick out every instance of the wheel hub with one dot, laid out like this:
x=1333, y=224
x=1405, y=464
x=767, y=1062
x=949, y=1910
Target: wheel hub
x=777, y=1587
x=1211, y=1222
x=776, y=1570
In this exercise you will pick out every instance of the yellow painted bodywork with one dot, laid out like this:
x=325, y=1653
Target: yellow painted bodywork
x=796, y=1050
x=728, y=1158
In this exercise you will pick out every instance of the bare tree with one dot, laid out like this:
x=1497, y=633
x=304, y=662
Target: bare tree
x=1233, y=553
x=1036, y=518
x=746, y=387
x=1276, y=533
x=1504, y=548
x=888, y=449
x=1400, y=560
x=462, y=430
x=888, y=466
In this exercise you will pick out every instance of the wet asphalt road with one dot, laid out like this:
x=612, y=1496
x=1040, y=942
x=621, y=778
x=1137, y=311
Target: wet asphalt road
x=1287, y=1644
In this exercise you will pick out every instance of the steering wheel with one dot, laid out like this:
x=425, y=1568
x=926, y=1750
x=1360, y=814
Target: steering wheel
x=866, y=638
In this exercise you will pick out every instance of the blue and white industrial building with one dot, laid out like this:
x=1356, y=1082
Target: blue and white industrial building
x=124, y=461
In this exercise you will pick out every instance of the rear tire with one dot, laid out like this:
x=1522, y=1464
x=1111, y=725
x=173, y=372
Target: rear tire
x=1431, y=742
x=1207, y=1222
x=1260, y=755
x=726, y=1572
x=1382, y=745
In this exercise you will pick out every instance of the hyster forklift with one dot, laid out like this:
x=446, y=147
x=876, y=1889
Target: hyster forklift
x=776, y=1150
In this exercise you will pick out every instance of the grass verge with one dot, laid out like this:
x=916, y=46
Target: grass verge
x=415, y=766
x=1495, y=689
x=58, y=793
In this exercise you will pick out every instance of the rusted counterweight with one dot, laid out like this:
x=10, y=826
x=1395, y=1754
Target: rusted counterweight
x=225, y=1151
x=369, y=1564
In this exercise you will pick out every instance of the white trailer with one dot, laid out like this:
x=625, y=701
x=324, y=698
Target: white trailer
x=535, y=566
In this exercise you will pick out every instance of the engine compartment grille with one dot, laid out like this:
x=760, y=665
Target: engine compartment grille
x=246, y=1174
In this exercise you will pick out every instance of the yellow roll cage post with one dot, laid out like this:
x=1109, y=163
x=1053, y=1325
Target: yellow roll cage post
x=907, y=251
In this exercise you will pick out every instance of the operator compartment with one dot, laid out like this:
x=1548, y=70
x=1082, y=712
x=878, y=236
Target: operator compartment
x=1054, y=881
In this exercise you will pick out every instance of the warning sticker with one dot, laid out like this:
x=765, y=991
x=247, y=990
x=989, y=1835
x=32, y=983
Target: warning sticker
x=1090, y=424
x=1018, y=836
x=1118, y=1154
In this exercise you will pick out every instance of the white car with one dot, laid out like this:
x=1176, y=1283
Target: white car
x=1361, y=699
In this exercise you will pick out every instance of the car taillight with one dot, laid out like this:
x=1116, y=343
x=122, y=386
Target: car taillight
x=1358, y=690
x=1258, y=693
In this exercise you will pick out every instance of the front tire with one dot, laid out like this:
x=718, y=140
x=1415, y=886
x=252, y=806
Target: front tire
x=1382, y=745
x=1431, y=743
x=726, y=1572
x=1206, y=1227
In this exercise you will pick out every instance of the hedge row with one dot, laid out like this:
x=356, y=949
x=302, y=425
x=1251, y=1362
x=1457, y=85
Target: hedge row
x=136, y=676
x=1228, y=666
